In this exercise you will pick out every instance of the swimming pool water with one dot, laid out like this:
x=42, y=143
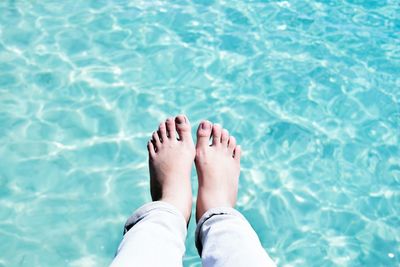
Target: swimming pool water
x=310, y=89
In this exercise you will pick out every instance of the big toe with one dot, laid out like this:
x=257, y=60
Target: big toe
x=203, y=134
x=182, y=125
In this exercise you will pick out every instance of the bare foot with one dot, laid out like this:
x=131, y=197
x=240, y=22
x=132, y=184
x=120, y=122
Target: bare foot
x=218, y=168
x=170, y=163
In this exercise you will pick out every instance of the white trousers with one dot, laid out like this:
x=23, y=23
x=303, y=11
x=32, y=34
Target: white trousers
x=155, y=237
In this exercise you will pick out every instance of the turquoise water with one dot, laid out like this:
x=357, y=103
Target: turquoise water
x=310, y=89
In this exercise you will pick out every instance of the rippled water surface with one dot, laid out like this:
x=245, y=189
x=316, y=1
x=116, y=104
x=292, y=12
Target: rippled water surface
x=310, y=89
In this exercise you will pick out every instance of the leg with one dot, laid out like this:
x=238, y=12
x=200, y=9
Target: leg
x=223, y=235
x=155, y=234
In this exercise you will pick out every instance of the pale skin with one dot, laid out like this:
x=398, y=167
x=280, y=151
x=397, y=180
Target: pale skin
x=171, y=156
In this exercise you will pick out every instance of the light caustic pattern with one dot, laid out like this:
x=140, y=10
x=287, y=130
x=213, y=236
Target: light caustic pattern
x=310, y=89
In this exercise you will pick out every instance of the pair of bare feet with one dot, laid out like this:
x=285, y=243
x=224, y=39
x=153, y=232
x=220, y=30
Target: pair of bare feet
x=171, y=155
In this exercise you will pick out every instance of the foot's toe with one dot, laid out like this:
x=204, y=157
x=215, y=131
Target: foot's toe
x=183, y=128
x=237, y=153
x=203, y=134
x=162, y=132
x=231, y=144
x=150, y=148
x=224, y=137
x=170, y=124
x=155, y=139
x=216, y=134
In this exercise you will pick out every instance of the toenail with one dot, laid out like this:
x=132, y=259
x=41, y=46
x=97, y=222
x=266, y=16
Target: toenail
x=205, y=125
x=180, y=119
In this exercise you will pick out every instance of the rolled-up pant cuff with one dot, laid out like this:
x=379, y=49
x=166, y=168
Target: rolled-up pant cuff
x=210, y=213
x=160, y=206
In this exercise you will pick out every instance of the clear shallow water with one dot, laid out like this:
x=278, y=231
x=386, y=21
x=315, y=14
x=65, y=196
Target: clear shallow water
x=310, y=89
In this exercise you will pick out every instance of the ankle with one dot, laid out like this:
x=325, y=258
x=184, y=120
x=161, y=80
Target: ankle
x=184, y=207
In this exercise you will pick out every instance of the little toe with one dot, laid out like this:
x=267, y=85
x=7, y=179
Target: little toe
x=150, y=148
x=170, y=124
x=203, y=134
x=224, y=137
x=216, y=134
x=231, y=144
x=183, y=128
x=237, y=153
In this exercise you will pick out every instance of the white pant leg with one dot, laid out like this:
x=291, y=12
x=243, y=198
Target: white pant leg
x=225, y=238
x=154, y=237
